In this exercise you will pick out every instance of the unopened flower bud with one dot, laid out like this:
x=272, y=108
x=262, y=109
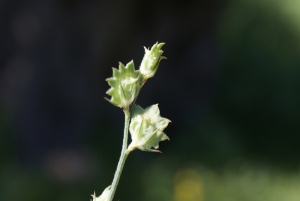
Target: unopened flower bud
x=151, y=60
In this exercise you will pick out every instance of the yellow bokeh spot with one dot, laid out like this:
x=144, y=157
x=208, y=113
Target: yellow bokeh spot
x=188, y=186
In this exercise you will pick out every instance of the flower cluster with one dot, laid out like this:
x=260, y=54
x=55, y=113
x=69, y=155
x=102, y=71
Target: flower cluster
x=146, y=125
x=127, y=82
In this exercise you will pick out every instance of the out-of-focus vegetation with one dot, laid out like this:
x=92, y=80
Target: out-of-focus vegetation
x=237, y=181
x=260, y=44
x=233, y=95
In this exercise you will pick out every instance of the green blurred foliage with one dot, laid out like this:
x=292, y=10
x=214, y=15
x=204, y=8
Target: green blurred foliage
x=237, y=181
x=260, y=45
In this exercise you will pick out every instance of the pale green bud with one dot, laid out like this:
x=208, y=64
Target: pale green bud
x=146, y=128
x=103, y=196
x=151, y=60
x=125, y=85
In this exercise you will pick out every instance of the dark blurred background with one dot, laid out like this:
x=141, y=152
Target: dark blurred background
x=230, y=86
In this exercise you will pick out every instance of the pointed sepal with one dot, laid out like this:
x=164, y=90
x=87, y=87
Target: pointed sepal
x=146, y=129
x=125, y=85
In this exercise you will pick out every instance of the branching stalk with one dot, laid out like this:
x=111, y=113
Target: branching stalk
x=147, y=125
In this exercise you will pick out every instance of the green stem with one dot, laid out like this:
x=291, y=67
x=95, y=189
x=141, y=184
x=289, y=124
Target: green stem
x=122, y=159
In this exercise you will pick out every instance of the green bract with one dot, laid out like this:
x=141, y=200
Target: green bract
x=125, y=85
x=146, y=128
x=103, y=196
x=151, y=60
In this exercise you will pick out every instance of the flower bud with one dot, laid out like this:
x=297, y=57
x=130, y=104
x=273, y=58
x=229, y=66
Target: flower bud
x=146, y=128
x=125, y=85
x=103, y=196
x=151, y=60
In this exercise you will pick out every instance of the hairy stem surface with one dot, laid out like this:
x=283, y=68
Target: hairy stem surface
x=122, y=159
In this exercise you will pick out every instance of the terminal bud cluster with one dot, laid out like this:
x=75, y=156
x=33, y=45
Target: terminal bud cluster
x=146, y=125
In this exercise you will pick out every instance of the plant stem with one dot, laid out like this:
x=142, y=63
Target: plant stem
x=122, y=159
